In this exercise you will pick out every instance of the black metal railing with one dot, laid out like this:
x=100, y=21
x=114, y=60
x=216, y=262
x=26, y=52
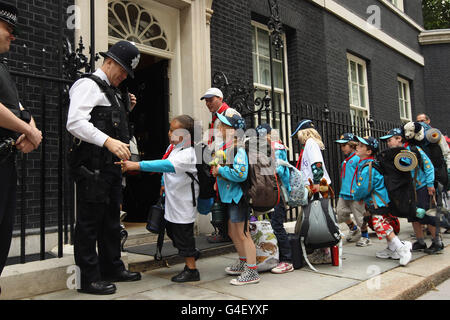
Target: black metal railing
x=45, y=202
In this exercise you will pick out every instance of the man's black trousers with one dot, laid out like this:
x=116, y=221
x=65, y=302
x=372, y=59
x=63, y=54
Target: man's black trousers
x=8, y=188
x=98, y=224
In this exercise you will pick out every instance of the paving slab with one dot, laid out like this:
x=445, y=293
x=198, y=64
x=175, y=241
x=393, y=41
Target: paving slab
x=297, y=285
x=148, y=282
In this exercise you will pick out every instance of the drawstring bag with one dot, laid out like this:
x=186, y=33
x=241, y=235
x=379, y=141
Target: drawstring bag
x=267, y=252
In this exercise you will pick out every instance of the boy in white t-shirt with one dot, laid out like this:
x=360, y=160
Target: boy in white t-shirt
x=180, y=212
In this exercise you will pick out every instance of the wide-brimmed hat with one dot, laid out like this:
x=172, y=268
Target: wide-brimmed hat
x=126, y=54
x=8, y=13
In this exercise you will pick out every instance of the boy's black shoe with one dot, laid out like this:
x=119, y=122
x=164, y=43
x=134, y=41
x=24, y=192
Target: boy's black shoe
x=435, y=248
x=417, y=246
x=187, y=275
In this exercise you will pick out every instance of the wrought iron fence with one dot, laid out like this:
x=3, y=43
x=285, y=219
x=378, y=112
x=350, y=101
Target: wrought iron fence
x=329, y=123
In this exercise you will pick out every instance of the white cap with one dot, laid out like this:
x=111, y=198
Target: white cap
x=212, y=92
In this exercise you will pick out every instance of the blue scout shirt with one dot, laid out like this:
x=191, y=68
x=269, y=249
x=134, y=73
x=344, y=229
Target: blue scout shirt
x=229, y=179
x=282, y=171
x=360, y=187
x=348, y=169
x=425, y=176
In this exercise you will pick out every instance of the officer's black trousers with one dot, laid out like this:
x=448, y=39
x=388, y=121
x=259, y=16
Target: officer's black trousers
x=8, y=187
x=98, y=224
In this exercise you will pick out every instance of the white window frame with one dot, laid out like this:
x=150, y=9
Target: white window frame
x=398, y=4
x=259, y=86
x=404, y=99
x=365, y=87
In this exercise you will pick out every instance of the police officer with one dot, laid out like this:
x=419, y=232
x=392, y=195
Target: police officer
x=98, y=119
x=17, y=132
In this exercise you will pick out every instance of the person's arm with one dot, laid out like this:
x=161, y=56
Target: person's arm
x=9, y=121
x=428, y=168
x=282, y=155
x=24, y=144
x=361, y=186
x=161, y=166
x=239, y=171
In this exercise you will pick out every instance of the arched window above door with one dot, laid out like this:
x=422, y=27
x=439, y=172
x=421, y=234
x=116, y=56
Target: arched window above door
x=130, y=21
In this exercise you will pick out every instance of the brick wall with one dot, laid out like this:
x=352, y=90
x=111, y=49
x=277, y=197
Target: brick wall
x=317, y=44
x=384, y=65
x=437, y=88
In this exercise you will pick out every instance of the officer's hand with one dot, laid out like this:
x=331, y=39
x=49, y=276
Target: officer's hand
x=117, y=147
x=24, y=145
x=34, y=136
x=132, y=100
x=431, y=191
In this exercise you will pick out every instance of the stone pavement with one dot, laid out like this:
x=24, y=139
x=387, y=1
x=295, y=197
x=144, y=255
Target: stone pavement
x=362, y=276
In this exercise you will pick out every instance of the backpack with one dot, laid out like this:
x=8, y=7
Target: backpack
x=399, y=184
x=261, y=189
x=299, y=193
x=434, y=152
x=319, y=227
x=205, y=181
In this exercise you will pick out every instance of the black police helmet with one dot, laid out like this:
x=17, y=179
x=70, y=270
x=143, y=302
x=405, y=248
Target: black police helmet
x=124, y=53
x=8, y=13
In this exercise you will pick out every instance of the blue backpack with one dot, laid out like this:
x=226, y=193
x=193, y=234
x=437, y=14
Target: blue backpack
x=299, y=193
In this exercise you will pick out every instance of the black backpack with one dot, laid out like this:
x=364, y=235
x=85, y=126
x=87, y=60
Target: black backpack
x=399, y=184
x=434, y=152
x=205, y=179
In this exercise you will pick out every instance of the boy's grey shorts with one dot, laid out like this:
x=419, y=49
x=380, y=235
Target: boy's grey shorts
x=345, y=207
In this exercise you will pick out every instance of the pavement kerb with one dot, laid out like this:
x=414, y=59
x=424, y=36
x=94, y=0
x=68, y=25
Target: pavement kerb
x=401, y=283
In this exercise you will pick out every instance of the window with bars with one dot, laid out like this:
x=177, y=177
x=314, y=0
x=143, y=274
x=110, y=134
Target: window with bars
x=262, y=76
x=404, y=99
x=358, y=89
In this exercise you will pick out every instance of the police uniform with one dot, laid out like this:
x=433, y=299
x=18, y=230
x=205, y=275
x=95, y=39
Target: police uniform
x=9, y=97
x=8, y=175
x=98, y=111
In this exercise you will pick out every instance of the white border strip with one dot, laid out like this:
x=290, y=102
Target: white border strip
x=369, y=29
x=439, y=36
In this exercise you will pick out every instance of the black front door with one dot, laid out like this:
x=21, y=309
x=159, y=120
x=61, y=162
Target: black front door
x=150, y=119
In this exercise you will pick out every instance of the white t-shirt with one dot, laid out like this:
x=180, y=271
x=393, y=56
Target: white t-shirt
x=312, y=154
x=179, y=206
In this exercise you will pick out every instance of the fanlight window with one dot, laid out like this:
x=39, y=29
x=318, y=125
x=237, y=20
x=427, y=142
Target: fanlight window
x=131, y=22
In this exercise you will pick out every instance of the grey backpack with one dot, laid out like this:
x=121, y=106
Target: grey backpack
x=319, y=226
